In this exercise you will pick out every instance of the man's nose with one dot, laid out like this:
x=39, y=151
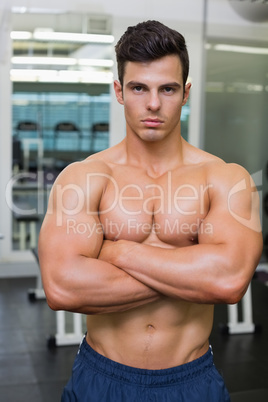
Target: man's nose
x=154, y=102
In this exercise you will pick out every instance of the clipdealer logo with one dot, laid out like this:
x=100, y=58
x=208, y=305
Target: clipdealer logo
x=170, y=201
x=133, y=227
x=255, y=202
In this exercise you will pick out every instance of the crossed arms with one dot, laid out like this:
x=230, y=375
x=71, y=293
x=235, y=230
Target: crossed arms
x=73, y=277
x=93, y=277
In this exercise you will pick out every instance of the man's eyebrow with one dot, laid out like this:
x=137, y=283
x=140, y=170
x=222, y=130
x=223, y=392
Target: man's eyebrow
x=141, y=84
x=171, y=84
x=135, y=84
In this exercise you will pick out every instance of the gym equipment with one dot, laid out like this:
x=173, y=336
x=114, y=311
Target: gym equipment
x=67, y=143
x=246, y=325
x=22, y=219
x=63, y=338
x=29, y=134
x=99, y=137
x=38, y=292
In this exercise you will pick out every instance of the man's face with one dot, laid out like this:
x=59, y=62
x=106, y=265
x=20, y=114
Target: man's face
x=153, y=96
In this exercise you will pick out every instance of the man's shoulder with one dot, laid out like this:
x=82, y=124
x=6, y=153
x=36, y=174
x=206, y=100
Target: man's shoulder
x=197, y=156
x=216, y=168
x=225, y=179
x=80, y=173
x=219, y=174
x=101, y=162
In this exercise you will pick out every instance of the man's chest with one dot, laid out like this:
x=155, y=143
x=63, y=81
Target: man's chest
x=172, y=207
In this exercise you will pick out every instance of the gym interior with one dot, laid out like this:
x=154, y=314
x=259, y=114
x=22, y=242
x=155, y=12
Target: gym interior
x=57, y=66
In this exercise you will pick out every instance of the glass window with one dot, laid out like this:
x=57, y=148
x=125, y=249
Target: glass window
x=50, y=130
x=185, y=119
x=236, y=118
x=61, y=74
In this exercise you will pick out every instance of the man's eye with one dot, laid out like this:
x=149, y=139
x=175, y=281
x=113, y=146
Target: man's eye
x=168, y=90
x=138, y=88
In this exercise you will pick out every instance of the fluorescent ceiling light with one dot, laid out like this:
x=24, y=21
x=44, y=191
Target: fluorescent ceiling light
x=96, y=62
x=21, y=35
x=19, y=10
x=72, y=37
x=24, y=75
x=241, y=49
x=32, y=10
x=97, y=77
x=62, y=61
x=51, y=36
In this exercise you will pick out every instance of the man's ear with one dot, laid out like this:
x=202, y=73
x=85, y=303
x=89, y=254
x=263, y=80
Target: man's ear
x=118, y=92
x=186, y=93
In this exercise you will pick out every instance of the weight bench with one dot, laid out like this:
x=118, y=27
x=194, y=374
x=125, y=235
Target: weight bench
x=24, y=218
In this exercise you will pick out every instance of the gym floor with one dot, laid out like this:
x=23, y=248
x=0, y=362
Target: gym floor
x=31, y=372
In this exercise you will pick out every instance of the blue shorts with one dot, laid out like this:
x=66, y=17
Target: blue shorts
x=98, y=379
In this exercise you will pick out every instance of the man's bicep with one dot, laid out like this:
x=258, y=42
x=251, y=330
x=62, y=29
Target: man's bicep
x=71, y=233
x=75, y=236
x=234, y=219
x=71, y=226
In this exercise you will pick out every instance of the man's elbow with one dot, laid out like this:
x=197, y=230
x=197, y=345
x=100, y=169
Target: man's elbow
x=57, y=287
x=58, y=295
x=58, y=299
x=233, y=290
x=235, y=294
x=55, y=298
x=234, y=285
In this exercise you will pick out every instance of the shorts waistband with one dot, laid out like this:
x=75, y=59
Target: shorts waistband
x=185, y=372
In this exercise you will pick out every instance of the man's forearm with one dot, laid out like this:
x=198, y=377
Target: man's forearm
x=200, y=273
x=96, y=287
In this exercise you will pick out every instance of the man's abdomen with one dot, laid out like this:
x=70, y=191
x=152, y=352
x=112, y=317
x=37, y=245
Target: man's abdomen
x=159, y=335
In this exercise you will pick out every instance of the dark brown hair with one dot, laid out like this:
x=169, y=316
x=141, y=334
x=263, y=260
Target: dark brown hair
x=148, y=41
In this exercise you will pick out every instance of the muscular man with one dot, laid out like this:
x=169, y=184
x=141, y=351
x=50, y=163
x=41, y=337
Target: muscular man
x=145, y=237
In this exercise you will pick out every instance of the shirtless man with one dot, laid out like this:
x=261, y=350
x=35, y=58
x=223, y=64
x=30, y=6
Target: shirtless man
x=145, y=237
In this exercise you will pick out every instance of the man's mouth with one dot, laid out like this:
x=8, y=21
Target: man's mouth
x=152, y=122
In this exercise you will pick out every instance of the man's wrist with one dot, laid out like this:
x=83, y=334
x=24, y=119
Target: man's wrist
x=126, y=251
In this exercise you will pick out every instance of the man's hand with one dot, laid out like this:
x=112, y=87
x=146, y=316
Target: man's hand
x=111, y=250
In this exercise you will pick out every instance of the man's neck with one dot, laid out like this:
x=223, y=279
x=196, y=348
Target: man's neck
x=156, y=157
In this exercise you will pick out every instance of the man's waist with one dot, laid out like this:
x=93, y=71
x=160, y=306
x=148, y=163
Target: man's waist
x=162, y=374
x=150, y=349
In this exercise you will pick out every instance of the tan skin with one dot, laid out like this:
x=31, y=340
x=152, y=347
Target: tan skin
x=147, y=236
